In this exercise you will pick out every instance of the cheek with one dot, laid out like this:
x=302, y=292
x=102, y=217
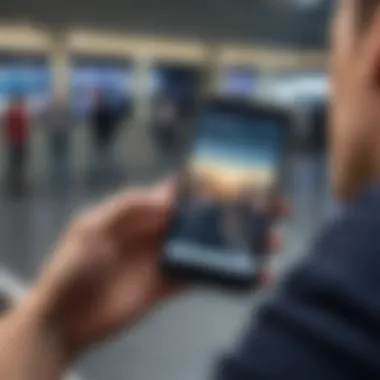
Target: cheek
x=340, y=72
x=342, y=47
x=341, y=95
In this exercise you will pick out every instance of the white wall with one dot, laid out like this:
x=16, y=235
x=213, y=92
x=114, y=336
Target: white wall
x=300, y=88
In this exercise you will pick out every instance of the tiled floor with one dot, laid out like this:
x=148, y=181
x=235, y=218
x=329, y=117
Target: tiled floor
x=183, y=338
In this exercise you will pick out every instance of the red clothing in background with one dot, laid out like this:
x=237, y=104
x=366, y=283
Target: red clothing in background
x=16, y=125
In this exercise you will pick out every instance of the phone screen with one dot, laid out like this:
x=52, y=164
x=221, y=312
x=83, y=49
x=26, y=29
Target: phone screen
x=222, y=214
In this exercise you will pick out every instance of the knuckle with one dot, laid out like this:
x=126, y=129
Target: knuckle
x=83, y=227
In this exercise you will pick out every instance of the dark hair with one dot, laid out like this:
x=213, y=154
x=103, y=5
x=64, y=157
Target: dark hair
x=366, y=10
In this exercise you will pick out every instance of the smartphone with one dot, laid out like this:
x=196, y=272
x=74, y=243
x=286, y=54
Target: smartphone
x=233, y=167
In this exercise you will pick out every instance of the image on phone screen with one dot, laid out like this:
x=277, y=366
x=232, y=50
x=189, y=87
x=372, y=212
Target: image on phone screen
x=223, y=209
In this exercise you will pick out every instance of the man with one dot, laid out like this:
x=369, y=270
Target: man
x=58, y=121
x=165, y=120
x=104, y=121
x=325, y=321
x=16, y=128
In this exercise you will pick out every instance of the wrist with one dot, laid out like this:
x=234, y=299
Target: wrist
x=28, y=339
x=33, y=316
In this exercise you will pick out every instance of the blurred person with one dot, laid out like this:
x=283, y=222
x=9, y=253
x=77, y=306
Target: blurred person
x=59, y=123
x=16, y=130
x=124, y=109
x=323, y=323
x=104, y=121
x=165, y=120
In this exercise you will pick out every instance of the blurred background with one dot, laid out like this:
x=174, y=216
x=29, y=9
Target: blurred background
x=92, y=95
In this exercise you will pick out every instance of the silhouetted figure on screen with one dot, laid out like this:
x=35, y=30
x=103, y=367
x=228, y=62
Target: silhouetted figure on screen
x=254, y=219
x=16, y=131
x=202, y=222
x=202, y=214
x=246, y=221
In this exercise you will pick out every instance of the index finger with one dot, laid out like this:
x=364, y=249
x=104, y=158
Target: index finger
x=136, y=202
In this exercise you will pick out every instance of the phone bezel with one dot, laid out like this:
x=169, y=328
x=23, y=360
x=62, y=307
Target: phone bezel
x=243, y=107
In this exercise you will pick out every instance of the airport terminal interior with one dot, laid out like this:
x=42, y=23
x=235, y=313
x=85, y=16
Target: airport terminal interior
x=146, y=61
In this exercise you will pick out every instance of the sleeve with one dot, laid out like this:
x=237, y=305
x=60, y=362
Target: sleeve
x=324, y=322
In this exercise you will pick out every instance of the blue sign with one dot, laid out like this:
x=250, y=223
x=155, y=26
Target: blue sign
x=115, y=82
x=30, y=80
x=239, y=82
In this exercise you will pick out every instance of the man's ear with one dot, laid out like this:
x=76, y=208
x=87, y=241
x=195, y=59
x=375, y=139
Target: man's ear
x=371, y=52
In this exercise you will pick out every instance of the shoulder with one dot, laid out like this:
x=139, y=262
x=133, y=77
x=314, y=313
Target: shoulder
x=356, y=232
x=344, y=265
x=327, y=309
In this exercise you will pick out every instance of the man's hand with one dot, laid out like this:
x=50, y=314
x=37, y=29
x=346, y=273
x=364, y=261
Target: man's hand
x=103, y=276
x=105, y=273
